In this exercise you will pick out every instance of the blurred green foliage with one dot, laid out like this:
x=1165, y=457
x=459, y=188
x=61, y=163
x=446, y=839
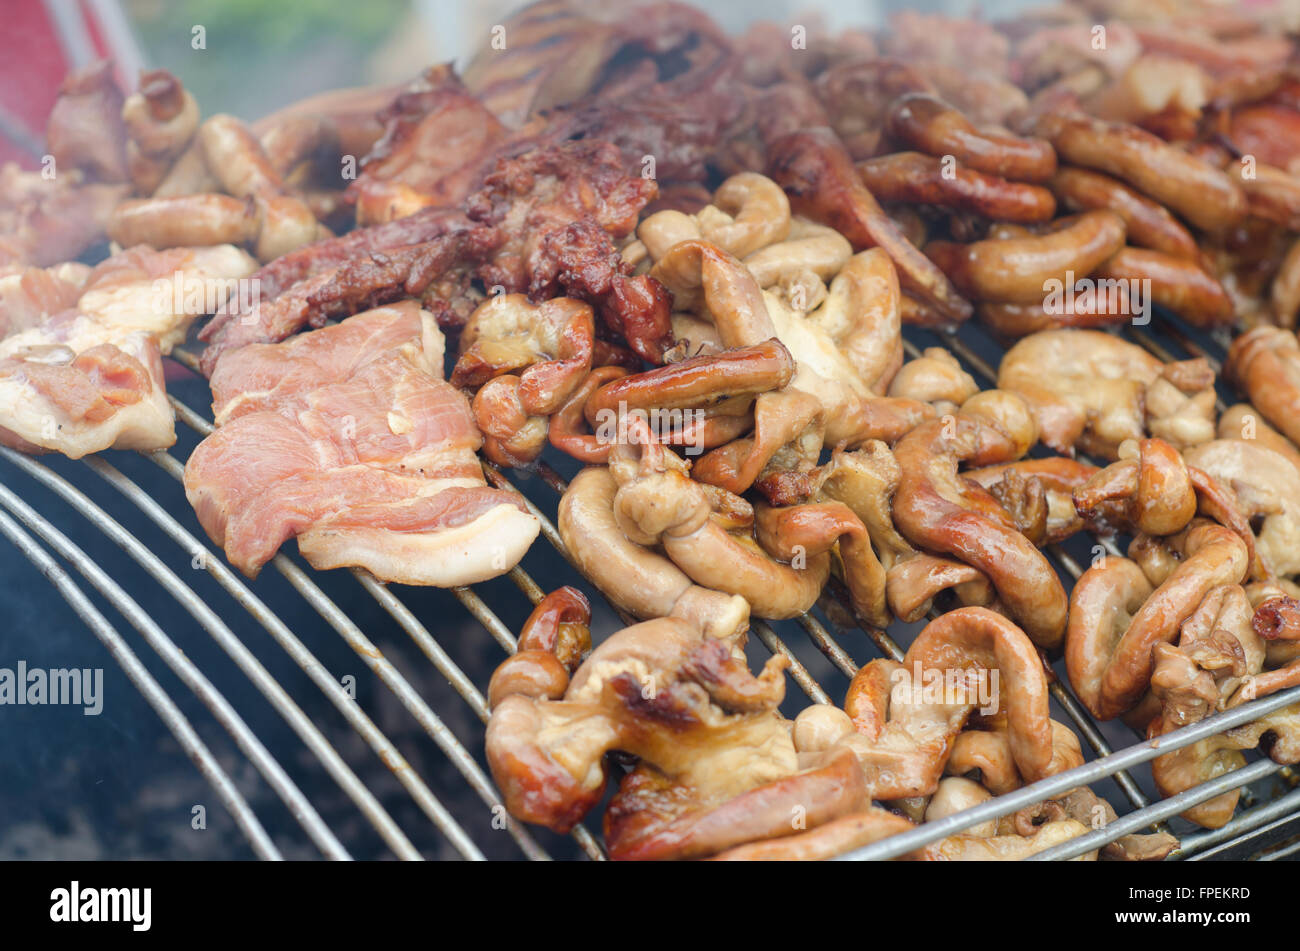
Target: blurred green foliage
x=272, y=25
x=261, y=55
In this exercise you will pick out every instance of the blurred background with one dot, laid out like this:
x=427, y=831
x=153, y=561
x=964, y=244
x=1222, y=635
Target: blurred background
x=255, y=57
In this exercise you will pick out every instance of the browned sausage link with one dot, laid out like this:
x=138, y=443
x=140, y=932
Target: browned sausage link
x=299, y=138
x=559, y=625
x=1269, y=131
x=1186, y=185
x=933, y=126
x=1176, y=284
x=1019, y=270
x=1020, y=320
x=922, y=179
x=1284, y=295
x=188, y=175
x=700, y=381
x=185, y=221
x=162, y=116
x=915, y=312
x=567, y=426
x=1272, y=193
x=1150, y=225
x=1264, y=363
x=286, y=225
x=236, y=157
x=818, y=176
x=328, y=207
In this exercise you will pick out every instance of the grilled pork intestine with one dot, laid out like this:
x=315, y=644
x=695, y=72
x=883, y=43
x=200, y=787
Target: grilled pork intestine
x=525, y=360
x=348, y=438
x=1218, y=663
x=1093, y=391
x=706, y=279
x=711, y=535
x=938, y=511
x=636, y=578
x=720, y=770
x=845, y=337
x=80, y=349
x=707, y=732
x=848, y=303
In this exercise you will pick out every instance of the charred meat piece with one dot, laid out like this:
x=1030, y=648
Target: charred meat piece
x=546, y=220
x=436, y=139
x=341, y=277
x=559, y=51
x=681, y=123
x=559, y=209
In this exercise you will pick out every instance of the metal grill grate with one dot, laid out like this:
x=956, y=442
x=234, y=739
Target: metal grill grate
x=1265, y=825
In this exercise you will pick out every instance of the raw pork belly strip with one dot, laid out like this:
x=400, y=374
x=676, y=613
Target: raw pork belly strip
x=348, y=438
x=80, y=349
x=106, y=395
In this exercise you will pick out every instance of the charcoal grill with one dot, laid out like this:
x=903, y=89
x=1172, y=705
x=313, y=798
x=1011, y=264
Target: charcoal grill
x=829, y=642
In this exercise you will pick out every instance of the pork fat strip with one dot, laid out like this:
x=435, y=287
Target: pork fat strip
x=81, y=349
x=348, y=438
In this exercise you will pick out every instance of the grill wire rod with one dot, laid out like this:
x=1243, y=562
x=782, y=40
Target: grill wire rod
x=843, y=622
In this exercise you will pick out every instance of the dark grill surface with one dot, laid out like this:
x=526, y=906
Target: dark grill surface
x=330, y=715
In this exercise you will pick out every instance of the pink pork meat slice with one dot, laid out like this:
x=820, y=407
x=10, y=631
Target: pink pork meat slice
x=348, y=438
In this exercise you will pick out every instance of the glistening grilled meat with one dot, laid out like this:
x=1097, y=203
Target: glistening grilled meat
x=348, y=438
x=378, y=277
x=80, y=349
x=543, y=223
x=558, y=209
x=287, y=270
x=437, y=141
